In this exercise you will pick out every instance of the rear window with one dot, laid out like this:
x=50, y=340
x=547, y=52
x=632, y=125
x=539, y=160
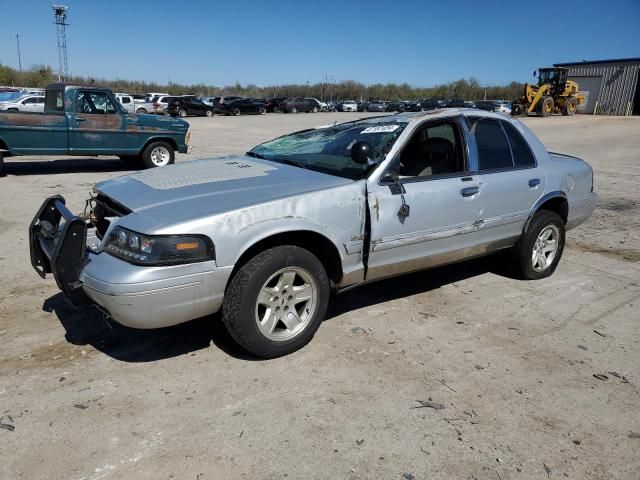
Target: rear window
x=55, y=100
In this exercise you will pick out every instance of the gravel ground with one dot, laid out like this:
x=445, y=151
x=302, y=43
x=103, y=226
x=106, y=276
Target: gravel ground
x=511, y=362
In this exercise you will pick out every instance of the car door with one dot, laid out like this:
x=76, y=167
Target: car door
x=423, y=208
x=29, y=104
x=98, y=125
x=510, y=181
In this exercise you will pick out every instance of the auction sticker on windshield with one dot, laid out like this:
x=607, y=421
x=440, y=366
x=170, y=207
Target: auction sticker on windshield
x=381, y=129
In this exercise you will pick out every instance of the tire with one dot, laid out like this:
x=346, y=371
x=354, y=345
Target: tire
x=165, y=111
x=182, y=113
x=3, y=171
x=545, y=107
x=267, y=276
x=293, y=110
x=158, y=154
x=570, y=106
x=132, y=161
x=262, y=110
x=532, y=241
x=209, y=113
x=141, y=111
x=315, y=110
x=236, y=111
x=12, y=110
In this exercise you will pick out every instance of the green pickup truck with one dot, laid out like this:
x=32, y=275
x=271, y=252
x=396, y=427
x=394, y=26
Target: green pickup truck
x=86, y=121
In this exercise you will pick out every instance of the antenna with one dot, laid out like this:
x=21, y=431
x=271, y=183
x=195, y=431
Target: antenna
x=60, y=15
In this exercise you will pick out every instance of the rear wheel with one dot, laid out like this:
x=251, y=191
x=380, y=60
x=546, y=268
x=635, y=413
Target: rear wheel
x=209, y=113
x=158, y=154
x=12, y=110
x=570, y=106
x=315, y=110
x=141, y=110
x=546, y=106
x=236, y=111
x=262, y=110
x=276, y=301
x=182, y=112
x=538, y=251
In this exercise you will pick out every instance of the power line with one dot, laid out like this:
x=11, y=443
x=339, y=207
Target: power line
x=60, y=15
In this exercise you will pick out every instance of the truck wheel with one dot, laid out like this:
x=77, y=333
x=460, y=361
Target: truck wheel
x=158, y=154
x=141, y=110
x=546, y=106
x=276, y=301
x=132, y=161
x=3, y=172
x=538, y=251
x=570, y=106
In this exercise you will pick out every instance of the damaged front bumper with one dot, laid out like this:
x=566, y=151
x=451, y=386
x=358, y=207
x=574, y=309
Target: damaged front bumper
x=133, y=295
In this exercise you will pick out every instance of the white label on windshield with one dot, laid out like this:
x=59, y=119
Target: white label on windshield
x=381, y=129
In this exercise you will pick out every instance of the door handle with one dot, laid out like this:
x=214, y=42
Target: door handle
x=534, y=182
x=469, y=191
x=80, y=119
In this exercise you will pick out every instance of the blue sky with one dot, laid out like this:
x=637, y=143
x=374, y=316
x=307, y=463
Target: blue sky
x=276, y=42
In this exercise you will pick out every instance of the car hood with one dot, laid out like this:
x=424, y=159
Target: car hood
x=202, y=188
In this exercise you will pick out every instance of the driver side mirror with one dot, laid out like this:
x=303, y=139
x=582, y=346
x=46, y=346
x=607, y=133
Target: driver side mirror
x=361, y=152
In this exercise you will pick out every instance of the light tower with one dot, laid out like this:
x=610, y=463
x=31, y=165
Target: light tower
x=60, y=15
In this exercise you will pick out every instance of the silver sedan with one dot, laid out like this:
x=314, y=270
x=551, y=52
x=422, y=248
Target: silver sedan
x=266, y=237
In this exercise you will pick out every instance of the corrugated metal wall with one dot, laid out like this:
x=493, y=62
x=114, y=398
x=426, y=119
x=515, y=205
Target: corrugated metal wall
x=617, y=88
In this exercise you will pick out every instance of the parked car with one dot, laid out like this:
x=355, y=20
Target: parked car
x=413, y=106
x=242, y=105
x=299, y=104
x=454, y=103
x=503, y=107
x=376, y=106
x=486, y=105
x=430, y=104
x=218, y=101
x=273, y=104
x=26, y=103
x=161, y=104
x=324, y=107
x=266, y=237
x=80, y=120
x=127, y=102
x=349, y=106
x=183, y=106
x=396, y=106
x=151, y=96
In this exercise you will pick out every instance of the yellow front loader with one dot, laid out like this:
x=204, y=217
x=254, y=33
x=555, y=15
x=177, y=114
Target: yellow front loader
x=553, y=94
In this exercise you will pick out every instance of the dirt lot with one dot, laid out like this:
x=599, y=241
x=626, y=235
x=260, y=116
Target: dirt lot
x=512, y=362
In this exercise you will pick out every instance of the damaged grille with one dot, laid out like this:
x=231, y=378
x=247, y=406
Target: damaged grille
x=102, y=210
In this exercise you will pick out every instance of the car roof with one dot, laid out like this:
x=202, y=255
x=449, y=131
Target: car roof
x=415, y=117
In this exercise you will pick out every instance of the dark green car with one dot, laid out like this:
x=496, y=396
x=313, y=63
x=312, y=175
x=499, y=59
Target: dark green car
x=80, y=120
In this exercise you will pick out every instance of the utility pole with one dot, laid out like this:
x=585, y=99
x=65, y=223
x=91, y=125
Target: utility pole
x=19, y=56
x=60, y=16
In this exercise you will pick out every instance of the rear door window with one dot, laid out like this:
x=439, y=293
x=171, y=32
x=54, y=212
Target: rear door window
x=493, y=147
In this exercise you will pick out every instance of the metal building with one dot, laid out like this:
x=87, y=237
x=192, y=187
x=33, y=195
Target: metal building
x=612, y=87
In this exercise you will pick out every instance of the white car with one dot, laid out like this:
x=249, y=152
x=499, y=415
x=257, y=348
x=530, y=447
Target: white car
x=349, y=106
x=503, y=107
x=26, y=103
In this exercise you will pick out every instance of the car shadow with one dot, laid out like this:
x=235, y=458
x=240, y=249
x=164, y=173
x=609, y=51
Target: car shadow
x=14, y=166
x=89, y=326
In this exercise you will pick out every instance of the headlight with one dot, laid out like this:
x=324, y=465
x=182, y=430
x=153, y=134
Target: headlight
x=158, y=249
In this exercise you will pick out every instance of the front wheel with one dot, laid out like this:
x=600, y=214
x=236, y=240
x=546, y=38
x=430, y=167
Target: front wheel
x=315, y=110
x=276, y=301
x=538, y=251
x=182, y=113
x=546, y=106
x=158, y=154
x=294, y=110
x=236, y=111
x=209, y=113
x=262, y=110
